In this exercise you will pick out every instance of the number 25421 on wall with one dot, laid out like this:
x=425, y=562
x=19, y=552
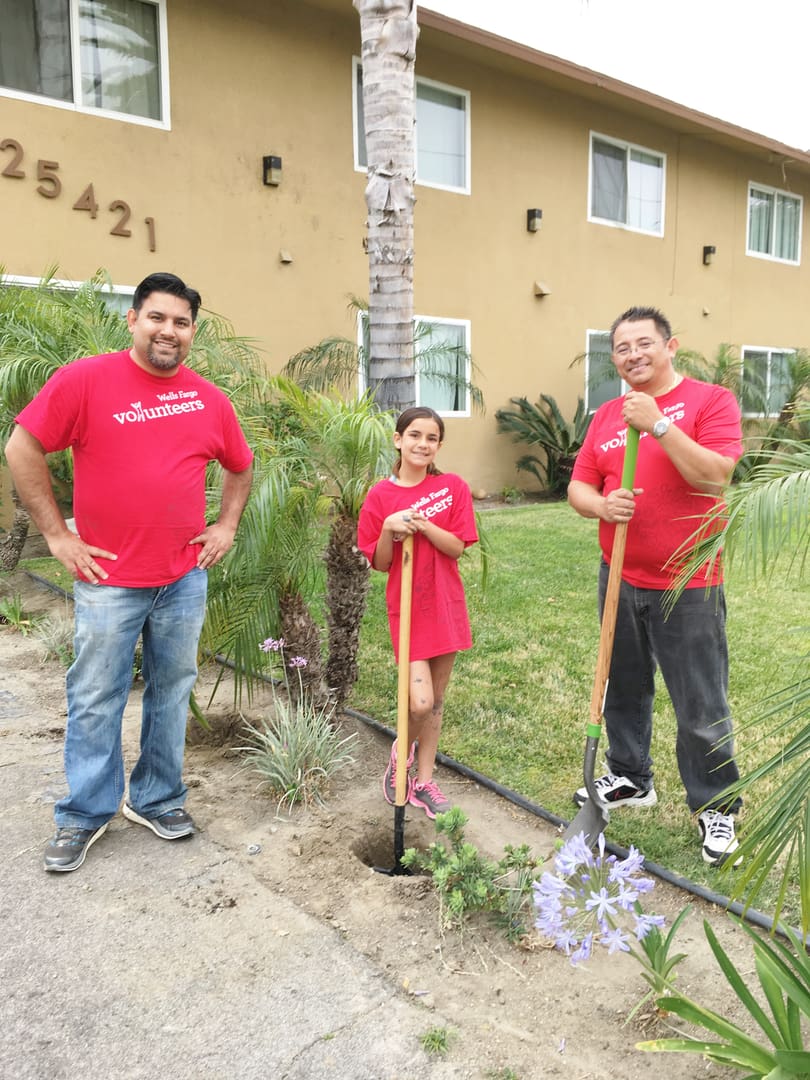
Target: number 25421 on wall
x=50, y=187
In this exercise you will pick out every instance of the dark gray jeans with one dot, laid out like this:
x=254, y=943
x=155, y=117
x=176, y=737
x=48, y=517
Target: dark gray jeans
x=689, y=645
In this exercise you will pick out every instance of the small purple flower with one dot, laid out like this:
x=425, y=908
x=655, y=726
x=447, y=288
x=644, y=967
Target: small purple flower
x=646, y=923
x=573, y=854
x=615, y=939
x=272, y=645
x=584, y=951
x=601, y=903
x=298, y=662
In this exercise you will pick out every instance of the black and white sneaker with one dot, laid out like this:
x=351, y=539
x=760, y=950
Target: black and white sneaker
x=169, y=826
x=719, y=839
x=617, y=791
x=68, y=848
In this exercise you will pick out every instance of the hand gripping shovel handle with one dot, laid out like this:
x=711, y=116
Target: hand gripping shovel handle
x=593, y=816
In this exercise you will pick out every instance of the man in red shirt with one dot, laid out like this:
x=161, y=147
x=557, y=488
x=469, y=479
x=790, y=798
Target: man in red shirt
x=690, y=440
x=142, y=428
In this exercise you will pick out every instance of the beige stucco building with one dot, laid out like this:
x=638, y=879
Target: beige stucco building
x=156, y=163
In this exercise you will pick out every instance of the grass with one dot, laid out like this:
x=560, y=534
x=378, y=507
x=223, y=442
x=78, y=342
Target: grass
x=518, y=701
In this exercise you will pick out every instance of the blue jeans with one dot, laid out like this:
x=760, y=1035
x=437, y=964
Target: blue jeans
x=689, y=645
x=109, y=621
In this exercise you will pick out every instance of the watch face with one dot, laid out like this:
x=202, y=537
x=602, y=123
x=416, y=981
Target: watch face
x=661, y=427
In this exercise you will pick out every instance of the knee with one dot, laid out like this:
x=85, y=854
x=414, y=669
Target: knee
x=421, y=707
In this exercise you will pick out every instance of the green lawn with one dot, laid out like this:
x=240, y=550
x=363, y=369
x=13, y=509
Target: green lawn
x=518, y=702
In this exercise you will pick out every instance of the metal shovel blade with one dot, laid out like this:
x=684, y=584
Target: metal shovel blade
x=399, y=848
x=593, y=816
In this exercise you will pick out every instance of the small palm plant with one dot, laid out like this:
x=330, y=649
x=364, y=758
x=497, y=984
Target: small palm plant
x=543, y=425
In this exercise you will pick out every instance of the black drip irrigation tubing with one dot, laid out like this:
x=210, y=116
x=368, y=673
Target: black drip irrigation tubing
x=749, y=914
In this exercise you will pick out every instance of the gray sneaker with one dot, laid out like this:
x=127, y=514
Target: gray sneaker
x=68, y=848
x=169, y=826
x=430, y=798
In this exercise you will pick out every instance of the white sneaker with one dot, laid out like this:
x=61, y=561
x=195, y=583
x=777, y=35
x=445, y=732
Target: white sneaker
x=719, y=840
x=617, y=791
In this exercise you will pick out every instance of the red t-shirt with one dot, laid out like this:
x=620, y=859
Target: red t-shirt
x=668, y=512
x=141, y=444
x=439, y=620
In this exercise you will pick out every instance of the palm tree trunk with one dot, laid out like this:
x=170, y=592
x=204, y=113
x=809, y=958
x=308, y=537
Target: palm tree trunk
x=302, y=638
x=12, y=543
x=388, y=31
x=348, y=579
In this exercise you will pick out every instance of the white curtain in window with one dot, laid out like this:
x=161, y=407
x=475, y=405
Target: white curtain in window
x=780, y=383
x=441, y=362
x=760, y=217
x=362, y=159
x=786, y=240
x=35, y=47
x=119, y=56
x=441, y=136
x=609, y=182
x=645, y=191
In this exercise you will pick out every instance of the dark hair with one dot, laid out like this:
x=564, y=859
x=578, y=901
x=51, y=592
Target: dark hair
x=406, y=418
x=167, y=283
x=639, y=314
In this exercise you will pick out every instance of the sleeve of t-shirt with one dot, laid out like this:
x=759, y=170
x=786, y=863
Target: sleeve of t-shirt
x=236, y=455
x=585, y=467
x=369, y=524
x=52, y=416
x=462, y=522
x=718, y=425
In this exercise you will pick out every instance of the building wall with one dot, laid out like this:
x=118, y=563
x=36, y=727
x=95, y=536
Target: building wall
x=250, y=78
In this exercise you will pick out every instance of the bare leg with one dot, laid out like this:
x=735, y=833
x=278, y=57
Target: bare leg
x=429, y=679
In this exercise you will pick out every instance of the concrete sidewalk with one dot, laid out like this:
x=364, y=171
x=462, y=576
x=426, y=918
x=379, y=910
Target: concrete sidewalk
x=171, y=960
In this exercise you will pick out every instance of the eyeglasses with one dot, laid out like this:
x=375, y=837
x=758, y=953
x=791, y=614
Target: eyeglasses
x=640, y=346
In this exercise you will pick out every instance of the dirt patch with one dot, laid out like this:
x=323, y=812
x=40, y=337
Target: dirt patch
x=519, y=1008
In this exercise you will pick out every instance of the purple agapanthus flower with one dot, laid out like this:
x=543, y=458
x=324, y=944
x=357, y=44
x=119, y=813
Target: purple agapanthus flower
x=591, y=898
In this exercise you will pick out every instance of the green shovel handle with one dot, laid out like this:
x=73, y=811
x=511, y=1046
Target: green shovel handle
x=630, y=458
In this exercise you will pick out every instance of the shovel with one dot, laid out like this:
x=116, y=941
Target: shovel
x=593, y=815
x=403, y=708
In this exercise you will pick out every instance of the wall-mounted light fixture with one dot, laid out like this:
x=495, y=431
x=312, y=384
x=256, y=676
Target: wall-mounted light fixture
x=534, y=219
x=542, y=289
x=271, y=170
x=708, y=251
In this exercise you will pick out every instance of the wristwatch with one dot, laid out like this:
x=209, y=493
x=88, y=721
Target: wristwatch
x=661, y=427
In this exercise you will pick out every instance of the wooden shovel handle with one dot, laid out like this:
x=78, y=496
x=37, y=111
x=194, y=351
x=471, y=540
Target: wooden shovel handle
x=607, y=631
x=404, y=669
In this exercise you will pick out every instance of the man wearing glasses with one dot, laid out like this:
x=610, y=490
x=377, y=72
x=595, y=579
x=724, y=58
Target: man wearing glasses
x=690, y=441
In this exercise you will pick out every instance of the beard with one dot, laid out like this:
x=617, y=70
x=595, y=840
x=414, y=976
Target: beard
x=166, y=360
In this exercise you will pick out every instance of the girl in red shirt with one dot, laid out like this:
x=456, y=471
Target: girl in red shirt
x=436, y=508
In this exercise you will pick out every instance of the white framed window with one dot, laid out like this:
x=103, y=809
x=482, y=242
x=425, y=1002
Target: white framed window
x=108, y=57
x=774, y=224
x=626, y=185
x=767, y=382
x=116, y=297
x=602, y=381
x=442, y=362
x=442, y=132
